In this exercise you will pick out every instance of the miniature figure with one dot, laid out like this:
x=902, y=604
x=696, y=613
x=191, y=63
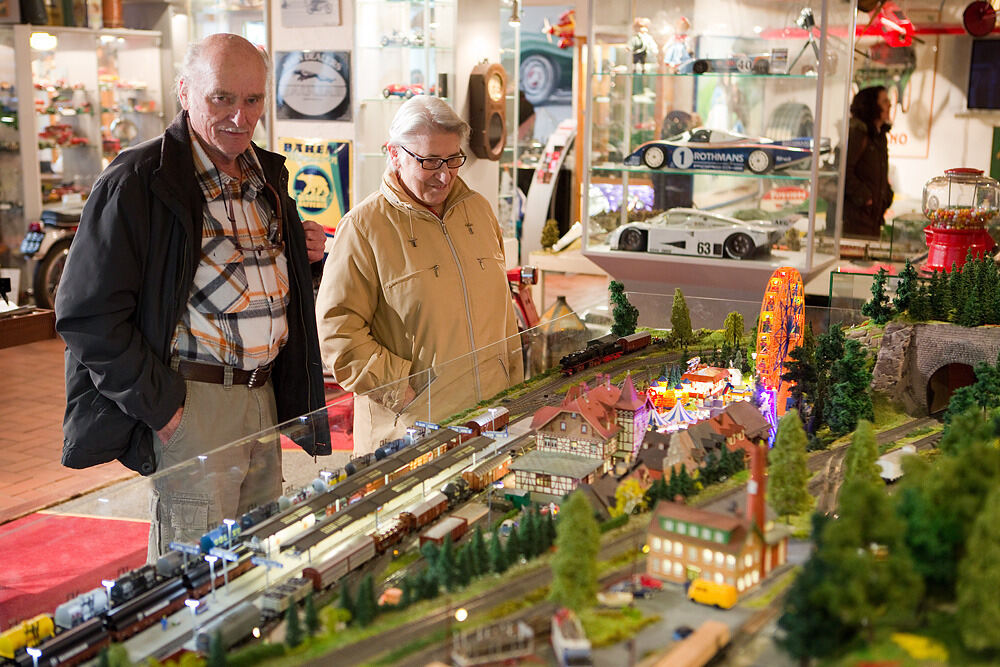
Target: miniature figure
x=679, y=52
x=643, y=46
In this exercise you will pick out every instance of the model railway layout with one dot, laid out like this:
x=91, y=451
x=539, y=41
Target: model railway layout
x=320, y=519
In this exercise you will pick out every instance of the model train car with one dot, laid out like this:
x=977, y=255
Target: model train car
x=237, y=626
x=605, y=348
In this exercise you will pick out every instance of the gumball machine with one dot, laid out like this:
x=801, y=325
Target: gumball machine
x=959, y=205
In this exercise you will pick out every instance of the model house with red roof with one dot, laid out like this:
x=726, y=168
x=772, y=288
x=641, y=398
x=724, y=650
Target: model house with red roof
x=578, y=440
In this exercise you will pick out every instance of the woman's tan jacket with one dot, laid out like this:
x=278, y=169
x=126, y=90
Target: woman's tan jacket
x=405, y=300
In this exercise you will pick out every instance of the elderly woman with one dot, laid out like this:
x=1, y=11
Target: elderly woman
x=414, y=309
x=867, y=193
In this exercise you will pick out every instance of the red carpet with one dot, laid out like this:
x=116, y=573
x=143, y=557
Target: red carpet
x=45, y=559
x=341, y=413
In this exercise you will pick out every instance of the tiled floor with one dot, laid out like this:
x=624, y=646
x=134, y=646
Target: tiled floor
x=32, y=400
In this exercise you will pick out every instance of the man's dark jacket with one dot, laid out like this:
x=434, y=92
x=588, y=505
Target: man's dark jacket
x=126, y=284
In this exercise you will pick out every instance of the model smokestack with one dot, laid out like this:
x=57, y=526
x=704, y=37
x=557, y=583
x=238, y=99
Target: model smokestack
x=757, y=486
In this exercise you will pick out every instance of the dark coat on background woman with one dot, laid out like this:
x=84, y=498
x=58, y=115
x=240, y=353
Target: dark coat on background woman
x=867, y=180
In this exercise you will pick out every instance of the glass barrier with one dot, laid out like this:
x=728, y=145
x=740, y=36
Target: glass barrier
x=447, y=433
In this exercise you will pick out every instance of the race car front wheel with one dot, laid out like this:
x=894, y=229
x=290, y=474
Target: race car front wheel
x=634, y=240
x=739, y=246
x=759, y=161
x=654, y=157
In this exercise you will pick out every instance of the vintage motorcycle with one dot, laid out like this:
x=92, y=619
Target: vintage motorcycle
x=47, y=245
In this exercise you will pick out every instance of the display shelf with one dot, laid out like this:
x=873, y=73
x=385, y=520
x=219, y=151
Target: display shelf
x=788, y=118
x=427, y=60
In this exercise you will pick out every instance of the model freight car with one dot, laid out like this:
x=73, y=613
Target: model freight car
x=81, y=608
x=235, y=627
x=422, y=513
x=356, y=552
x=496, y=419
x=452, y=526
x=29, y=633
x=70, y=647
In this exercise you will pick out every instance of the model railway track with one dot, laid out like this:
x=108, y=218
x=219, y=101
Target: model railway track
x=367, y=649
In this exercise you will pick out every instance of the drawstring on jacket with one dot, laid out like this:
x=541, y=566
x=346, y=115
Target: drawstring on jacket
x=413, y=237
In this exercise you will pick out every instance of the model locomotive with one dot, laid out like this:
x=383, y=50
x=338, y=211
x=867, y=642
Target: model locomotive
x=600, y=350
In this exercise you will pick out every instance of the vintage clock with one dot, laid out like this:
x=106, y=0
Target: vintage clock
x=488, y=110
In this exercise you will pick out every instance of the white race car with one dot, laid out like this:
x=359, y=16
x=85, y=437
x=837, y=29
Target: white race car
x=689, y=231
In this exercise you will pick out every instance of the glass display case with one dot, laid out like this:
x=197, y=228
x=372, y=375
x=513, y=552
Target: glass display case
x=403, y=49
x=94, y=92
x=728, y=111
x=11, y=199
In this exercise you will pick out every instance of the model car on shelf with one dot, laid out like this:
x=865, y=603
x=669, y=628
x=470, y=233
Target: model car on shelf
x=405, y=90
x=718, y=150
x=688, y=231
x=398, y=38
x=740, y=62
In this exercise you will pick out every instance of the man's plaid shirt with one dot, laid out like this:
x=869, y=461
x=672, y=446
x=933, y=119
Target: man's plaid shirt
x=236, y=313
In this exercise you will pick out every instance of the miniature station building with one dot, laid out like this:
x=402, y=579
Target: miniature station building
x=687, y=543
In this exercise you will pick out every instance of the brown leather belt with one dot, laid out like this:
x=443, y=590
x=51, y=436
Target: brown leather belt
x=199, y=372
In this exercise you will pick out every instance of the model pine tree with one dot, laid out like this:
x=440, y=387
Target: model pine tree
x=979, y=580
x=480, y=555
x=311, y=618
x=574, y=565
x=365, y=604
x=550, y=233
x=216, y=651
x=346, y=601
x=906, y=288
x=810, y=629
x=788, y=469
x=850, y=399
x=680, y=320
x=939, y=296
x=512, y=550
x=800, y=370
x=878, y=308
x=829, y=348
x=625, y=316
x=859, y=462
x=293, y=631
x=920, y=305
x=498, y=559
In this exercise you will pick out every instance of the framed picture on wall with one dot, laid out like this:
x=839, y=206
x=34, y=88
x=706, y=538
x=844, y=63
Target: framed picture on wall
x=10, y=11
x=320, y=182
x=313, y=85
x=309, y=13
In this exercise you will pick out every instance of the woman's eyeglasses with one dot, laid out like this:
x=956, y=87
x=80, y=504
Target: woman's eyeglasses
x=434, y=163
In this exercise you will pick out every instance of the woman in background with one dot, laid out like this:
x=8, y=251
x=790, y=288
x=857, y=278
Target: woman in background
x=867, y=193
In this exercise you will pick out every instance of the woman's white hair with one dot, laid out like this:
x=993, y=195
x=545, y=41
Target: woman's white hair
x=194, y=64
x=421, y=115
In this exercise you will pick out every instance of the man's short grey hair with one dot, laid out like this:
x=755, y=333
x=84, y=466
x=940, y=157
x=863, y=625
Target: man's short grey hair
x=425, y=114
x=194, y=65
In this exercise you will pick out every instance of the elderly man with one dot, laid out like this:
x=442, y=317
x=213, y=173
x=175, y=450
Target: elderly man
x=186, y=305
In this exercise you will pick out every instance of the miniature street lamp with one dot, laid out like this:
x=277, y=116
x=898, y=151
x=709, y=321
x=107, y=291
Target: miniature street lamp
x=108, y=585
x=35, y=655
x=325, y=475
x=211, y=570
x=229, y=532
x=192, y=604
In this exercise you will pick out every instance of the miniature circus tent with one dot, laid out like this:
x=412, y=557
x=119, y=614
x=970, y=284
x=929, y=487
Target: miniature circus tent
x=679, y=416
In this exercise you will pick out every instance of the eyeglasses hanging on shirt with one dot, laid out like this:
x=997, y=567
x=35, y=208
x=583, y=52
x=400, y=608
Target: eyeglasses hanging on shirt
x=275, y=227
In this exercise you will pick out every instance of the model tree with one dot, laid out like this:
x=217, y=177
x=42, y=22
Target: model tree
x=311, y=616
x=574, y=565
x=849, y=399
x=906, y=288
x=498, y=559
x=788, y=476
x=873, y=583
x=979, y=580
x=829, y=348
x=512, y=550
x=733, y=329
x=293, y=631
x=800, y=371
x=625, y=315
x=480, y=555
x=811, y=630
x=365, y=604
x=938, y=293
x=920, y=306
x=878, y=308
x=859, y=463
x=346, y=601
x=680, y=320
x=550, y=233
x=629, y=497
x=216, y=651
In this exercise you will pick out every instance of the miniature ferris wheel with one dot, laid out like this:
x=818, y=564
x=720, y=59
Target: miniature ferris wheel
x=780, y=330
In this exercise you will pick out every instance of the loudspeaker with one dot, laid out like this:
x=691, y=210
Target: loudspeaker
x=488, y=110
